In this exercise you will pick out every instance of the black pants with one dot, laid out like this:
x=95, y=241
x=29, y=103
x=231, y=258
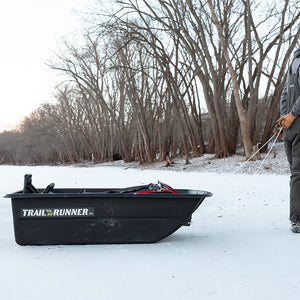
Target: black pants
x=292, y=149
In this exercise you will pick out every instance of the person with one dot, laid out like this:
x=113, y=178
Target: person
x=290, y=122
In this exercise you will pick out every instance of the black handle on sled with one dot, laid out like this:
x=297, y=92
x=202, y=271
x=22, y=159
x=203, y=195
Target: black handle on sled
x=28, y=187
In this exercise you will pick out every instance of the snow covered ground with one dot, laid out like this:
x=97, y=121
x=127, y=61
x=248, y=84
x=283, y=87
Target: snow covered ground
x=274, y=163
x=238, y=246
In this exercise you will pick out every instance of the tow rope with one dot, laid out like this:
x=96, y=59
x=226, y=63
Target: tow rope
x=277, y=131
x=277, y=136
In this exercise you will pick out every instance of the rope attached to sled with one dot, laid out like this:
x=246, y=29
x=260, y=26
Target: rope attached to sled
x=277, y=134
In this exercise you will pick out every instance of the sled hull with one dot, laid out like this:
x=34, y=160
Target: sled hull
x=93, y=216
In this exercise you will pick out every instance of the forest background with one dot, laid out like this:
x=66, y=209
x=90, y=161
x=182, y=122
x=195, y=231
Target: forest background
x=153, y=80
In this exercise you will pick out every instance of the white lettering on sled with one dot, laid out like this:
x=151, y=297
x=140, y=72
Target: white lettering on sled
x=57, y=212
x=24, y=212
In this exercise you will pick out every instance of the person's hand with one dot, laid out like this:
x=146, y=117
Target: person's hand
x=277, y=129
x=286, y=121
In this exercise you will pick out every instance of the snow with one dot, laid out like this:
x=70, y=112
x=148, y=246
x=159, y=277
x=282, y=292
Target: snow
x=239, y=245
x=275, y=163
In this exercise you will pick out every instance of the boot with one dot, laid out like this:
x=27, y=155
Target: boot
x=295, y=224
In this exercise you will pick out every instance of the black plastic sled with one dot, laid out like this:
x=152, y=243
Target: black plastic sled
x=60, y=216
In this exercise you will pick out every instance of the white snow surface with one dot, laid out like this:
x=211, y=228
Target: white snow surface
x=239, y=245
x=273, y=162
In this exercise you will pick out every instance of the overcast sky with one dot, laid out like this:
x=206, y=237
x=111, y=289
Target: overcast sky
x=30, y=32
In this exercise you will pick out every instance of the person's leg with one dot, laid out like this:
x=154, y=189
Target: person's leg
x=288, y=151
x=295, y=172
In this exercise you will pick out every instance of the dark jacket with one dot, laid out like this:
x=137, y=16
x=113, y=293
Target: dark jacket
x=284, y=102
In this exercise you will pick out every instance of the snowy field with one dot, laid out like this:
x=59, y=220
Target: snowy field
x=239, y=245
x=274, y=162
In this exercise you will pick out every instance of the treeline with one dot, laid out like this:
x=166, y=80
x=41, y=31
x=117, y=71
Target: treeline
x=139, y=86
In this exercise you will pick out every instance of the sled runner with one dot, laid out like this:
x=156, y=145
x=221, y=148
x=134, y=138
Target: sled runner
x=141, y=214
